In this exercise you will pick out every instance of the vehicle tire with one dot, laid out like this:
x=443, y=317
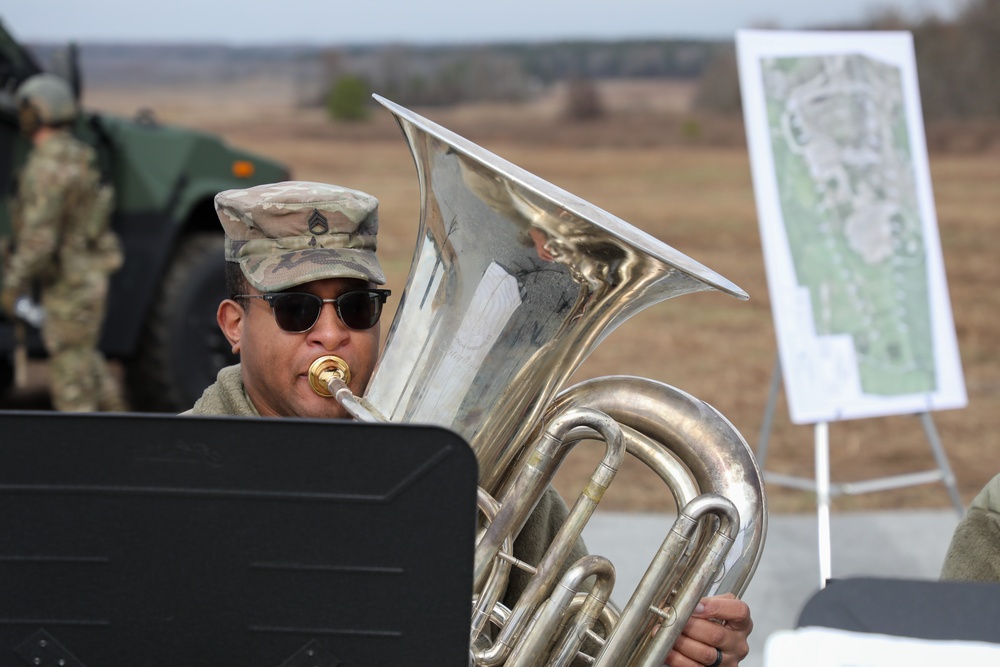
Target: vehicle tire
x=182, y=348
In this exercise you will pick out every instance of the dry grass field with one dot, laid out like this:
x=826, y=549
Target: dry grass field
x=689, y=184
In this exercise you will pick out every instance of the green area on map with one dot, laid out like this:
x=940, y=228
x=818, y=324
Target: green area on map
x=848, y=193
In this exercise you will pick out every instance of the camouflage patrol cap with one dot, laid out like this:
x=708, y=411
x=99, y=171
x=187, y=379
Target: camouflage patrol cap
x=291, y=233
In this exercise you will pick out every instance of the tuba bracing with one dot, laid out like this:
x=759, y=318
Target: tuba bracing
x=513, y=283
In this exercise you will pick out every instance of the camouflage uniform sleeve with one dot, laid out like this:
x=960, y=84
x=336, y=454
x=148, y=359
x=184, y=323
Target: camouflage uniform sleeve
x=40, y=198
x=974, y=551
x=530, y=546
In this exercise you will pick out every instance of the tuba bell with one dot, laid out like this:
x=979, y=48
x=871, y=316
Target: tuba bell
x=513, y=283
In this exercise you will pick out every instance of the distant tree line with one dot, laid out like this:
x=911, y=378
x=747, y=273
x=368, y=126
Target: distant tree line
x=413, y=75
x=957, y=61
x=446, y=75
x=956, y=64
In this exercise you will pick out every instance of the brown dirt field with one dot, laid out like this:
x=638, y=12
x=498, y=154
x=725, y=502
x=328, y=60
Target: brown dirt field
x=687, y=181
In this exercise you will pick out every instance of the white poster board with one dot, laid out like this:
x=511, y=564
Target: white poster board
x=848, y=226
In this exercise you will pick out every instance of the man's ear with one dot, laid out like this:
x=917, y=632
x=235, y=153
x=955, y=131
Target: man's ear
x=230, y=317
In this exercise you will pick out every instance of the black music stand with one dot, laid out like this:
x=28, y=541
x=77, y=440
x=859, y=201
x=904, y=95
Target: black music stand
x=939, y=610
x=150, y=540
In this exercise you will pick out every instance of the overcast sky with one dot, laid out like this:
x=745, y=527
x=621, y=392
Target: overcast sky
x=425, y=21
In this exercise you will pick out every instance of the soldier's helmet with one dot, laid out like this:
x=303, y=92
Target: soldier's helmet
x=49, y=97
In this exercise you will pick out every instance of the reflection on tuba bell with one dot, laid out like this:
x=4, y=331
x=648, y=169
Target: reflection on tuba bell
x=513, y=283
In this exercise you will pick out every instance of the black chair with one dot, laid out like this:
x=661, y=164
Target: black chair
x=939, y=610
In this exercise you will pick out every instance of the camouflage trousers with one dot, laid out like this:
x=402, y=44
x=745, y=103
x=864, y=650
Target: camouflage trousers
x=79, y=377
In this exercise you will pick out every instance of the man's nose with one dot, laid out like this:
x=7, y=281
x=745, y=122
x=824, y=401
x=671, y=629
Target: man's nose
x=329, y=331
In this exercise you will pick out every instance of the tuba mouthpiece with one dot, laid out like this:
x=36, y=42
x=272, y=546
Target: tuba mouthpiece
x=325, y=369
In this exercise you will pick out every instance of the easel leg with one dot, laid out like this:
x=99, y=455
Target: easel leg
x=942, y=461
x=821, y=483
x=765, y=428
x=823, y=499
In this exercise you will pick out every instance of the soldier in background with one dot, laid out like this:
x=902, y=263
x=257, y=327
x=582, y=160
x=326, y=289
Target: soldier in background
x=64, y=250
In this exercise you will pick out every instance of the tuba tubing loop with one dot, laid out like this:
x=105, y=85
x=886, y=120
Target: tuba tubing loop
x=626, y=646
x=485, y=601
x=518, y=503
x=545, y=626
x=693, y=448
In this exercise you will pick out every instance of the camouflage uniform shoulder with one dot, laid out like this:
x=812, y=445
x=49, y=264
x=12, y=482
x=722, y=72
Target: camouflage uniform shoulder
x=61, y=158
x=63, y=143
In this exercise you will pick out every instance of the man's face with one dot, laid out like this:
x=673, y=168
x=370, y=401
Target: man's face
x=27, y=119
x=276, y=363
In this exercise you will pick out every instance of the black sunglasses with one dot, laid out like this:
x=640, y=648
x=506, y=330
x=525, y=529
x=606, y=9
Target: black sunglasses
x=296, y=312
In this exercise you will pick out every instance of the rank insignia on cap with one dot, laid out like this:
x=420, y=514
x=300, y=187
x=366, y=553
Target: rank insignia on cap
x=291, y=233
x=318, y=223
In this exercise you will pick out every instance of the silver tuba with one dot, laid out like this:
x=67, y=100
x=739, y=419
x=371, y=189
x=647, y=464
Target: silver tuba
x=514, y=282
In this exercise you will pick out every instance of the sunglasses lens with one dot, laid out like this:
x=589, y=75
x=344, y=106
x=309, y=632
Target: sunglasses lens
x=296, y=312
x=359, y=310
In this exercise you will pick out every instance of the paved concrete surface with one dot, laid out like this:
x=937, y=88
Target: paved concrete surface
x=900, y=544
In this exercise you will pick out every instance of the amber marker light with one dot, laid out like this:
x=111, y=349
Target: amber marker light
x=243, y=169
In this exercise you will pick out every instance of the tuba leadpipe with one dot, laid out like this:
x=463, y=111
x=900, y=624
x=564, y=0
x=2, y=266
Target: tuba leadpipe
x=513, y=283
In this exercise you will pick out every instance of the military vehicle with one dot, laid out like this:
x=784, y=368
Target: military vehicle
x=161, y=312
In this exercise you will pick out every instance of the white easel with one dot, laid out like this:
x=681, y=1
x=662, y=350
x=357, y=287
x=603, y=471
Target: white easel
x=824, y=490
x=822, y=371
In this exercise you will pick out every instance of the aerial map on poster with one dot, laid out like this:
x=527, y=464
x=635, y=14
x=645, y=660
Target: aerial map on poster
x=847, y=220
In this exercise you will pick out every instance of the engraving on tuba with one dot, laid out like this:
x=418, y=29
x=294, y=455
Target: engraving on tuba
x=513, y=283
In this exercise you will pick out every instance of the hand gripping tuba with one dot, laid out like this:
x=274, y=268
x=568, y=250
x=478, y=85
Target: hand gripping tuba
x=513, y=283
